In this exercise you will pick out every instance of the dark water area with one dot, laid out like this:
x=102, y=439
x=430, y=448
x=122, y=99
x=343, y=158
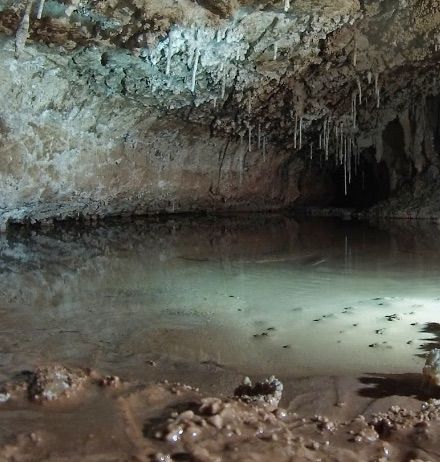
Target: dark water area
x=256, y=294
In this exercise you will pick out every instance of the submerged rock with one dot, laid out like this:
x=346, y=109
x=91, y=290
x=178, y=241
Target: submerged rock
x=267, y=393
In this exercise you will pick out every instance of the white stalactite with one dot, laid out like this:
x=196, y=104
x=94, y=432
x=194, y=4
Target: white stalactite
x=40, y=9
x=300, y=131
x=275, y=51
x=286, y=5
x=22, y=33
x=223, y=82
x=359, y=85
x=249, y=137
x=349, y=161
x=377, y=89
x=341, y=143
x=194, y=72
x=345, y=165
x=355, y=53
x=353, y=109
x=369, y=77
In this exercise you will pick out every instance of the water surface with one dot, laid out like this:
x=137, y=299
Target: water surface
x=257, y=294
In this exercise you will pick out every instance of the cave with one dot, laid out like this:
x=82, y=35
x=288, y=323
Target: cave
x=219, y=230
x=371, y=187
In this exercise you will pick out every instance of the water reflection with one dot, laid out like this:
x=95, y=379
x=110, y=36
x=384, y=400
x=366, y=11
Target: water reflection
x=261, y=294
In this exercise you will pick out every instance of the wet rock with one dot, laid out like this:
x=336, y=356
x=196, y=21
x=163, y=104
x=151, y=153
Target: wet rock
x=110, y=381
x=54, y=382
x=267, y=393
x=431, y=370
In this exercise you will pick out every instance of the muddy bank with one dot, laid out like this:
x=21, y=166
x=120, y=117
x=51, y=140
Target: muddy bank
x=57, y=413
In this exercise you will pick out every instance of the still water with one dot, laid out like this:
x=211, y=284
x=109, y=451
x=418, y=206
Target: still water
x=255, y=294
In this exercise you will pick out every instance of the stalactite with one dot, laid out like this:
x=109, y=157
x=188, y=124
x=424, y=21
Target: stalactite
x=169, y=52
x=359, y=85
x=377, y=90
x=353, y=109
x=249, y=106
x=311, y=150
x=300, y=131
x=249, y=137
x=241, y=166
x=320, y=141
x=219, y=36
x=214, y=102
x=264, y=148
x=259, y=137
x=341, y=143
x=194, y=72
x=295, y=132
x=22, y=33
x=349, y=161
x=275, y=51
x=345, y=165
x=286, y=5
x=40, y=9
x=326, y=137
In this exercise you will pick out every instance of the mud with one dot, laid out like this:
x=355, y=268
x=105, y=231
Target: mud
x=166, y=422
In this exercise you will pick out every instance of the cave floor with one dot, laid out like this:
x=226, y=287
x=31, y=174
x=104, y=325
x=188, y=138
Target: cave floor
x=342, y=312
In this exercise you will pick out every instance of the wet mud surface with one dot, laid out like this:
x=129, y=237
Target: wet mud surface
x=56, y=413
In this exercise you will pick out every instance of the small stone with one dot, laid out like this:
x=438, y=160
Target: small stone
x=216, y=421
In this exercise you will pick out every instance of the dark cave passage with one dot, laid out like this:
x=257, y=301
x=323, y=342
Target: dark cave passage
x=368, y=186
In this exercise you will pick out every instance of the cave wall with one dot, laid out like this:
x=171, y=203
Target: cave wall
x=67, y=151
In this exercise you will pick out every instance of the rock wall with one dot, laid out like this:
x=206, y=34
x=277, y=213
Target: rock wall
x=141, y=107
x=66, y=151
